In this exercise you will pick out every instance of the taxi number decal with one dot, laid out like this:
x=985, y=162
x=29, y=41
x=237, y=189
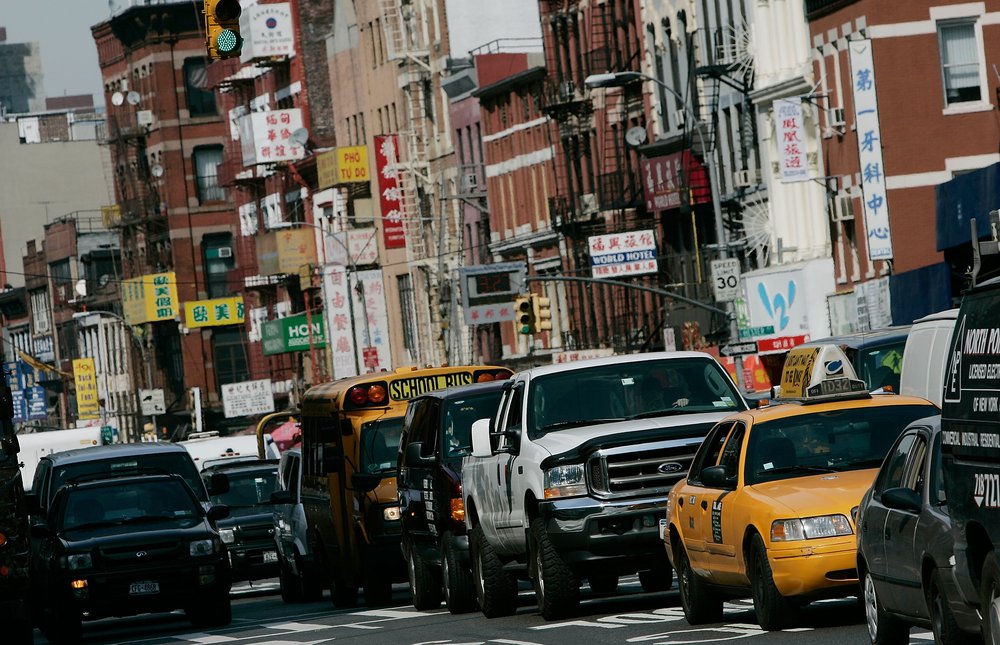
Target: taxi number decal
x=717, y=521
x=408, y=388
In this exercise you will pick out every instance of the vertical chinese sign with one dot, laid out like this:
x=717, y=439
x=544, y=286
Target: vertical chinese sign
x=340, y=329
x=791, y=140
x=85, y=379
x=374, y=332
x=389, y=190
x=873, y=190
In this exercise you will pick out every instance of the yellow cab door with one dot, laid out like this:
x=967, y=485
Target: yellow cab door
x=727, y=519
x=694, y=500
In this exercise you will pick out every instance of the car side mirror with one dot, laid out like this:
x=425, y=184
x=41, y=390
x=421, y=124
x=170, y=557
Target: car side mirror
x=714, y=477
x=33, y=504
x=482, y=445
x=40, y=530
x=282, y=497
x=365, y=482
x=902, y=499
x=218, y=512
x=415, y=457
x=218, y=484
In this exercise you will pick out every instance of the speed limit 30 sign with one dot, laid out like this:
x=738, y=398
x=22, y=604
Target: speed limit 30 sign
x=726, y=279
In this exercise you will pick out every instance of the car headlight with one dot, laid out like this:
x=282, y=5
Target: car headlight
x=564, y=481
x=79, y=561
x=390, y=513
x=202, y=547
x=228, y=536
x=810, y=528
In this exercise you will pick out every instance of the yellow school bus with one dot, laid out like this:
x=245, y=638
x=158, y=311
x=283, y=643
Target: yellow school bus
x=350, y=439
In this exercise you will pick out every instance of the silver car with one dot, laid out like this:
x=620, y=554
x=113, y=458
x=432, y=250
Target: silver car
x=298, y=582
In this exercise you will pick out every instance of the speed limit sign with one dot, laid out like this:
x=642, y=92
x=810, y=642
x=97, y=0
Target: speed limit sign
x=726, y=279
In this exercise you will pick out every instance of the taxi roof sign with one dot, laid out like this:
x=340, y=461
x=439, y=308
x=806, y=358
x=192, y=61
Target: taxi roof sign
x=820, y=373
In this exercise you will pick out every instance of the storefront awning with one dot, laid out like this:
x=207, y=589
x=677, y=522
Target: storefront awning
x=918, y=293
x=972, y=195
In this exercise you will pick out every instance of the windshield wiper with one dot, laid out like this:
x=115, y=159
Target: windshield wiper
x=860, y=463
x=148, y=518
x=577, y=423
x=669, y=412
x=94, y=525
x=796, y=469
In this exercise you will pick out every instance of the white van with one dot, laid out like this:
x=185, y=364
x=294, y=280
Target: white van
x=925, y=357
x=35, y=445
x=210, y=447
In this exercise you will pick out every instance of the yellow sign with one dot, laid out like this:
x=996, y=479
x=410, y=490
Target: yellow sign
x=344, y=165
x=85, y=377
x=213, y=313
x=797, y=373
x=408, y=388
x=285, y=251
x=150, y=298
x=111, y=215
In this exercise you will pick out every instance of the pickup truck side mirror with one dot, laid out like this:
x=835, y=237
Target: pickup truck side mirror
x=282, y=497
x=415, y=457
x=902, y=499
x=218, y=484
x=482, y=446
x=365, y=482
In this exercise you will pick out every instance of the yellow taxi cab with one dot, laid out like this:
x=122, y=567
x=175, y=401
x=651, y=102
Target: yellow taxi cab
x=766, y=510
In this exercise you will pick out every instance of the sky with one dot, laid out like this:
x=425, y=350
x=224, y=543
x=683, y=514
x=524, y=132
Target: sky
x=62, y=29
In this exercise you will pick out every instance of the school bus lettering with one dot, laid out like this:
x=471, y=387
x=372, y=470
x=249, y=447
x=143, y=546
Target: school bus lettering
x=408, y=388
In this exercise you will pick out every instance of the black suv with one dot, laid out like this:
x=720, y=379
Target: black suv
x=437, y=434
x=248, y=532
x=130, y=545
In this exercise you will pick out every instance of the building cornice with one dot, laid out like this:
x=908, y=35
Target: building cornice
x=794, y=86
x=544, y=237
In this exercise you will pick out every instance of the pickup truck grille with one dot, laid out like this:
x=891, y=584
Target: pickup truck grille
x=640, y=470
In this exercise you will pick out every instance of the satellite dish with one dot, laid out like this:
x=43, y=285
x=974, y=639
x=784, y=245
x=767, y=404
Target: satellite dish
x=133, y=98
x=117, y=98
x=157, y=170
x=299, y=137
x=636, y=136
x=81, y=288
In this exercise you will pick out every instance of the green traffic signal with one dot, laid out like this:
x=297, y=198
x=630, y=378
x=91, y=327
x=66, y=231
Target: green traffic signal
x=227, y=41
x=525, y=315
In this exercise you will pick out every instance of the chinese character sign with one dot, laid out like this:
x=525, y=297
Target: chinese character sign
x=375, y=331
x=873, y=189
x=390, y=190
x=620, y=254
x=665, y=180
x=247, y=398
x=791, y=138
x=266, y=137
x=338, y=321
x=150, y=298
x=85, y=378
x=212, y=313
x=268, y=31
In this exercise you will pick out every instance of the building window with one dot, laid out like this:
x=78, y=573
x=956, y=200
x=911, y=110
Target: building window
x=219, y=261
x=200, y=98
x=62, y=281
x=40, y=312
x=230, y=356
x=206, y=167
x=960, y=62
x=408, y=310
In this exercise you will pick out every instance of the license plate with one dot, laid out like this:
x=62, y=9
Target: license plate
x=144, y=588
x=270, y=556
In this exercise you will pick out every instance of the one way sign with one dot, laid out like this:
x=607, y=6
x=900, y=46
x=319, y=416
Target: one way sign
x=738, y=349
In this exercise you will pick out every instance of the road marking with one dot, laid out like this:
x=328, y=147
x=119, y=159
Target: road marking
x=206, y=639
x=297, y=627
x=391, y=613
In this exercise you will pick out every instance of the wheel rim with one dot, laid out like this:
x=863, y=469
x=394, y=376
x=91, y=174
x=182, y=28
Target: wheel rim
x=937, y=613
x=871, y=607
x=539, y=575
x=684, y=579
x=994, y=613
x=477, y=570
x=445, y=577
x=757, y=584
x=412, y=569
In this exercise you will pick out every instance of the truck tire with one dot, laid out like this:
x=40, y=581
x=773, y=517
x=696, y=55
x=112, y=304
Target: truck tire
x=557, y=588
x=377, y=587
x=425, y=586
x=656, y=579
x=213, y=611
x=459, y=589
x=343, y=590
x=700, y=603
x=943, y=623
x=774, y=611
x=291, y=591
x=990, y=600
x=496, y=590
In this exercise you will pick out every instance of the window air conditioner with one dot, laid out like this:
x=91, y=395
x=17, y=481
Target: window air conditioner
x=746, y=178
x=588, y=204
x=843, y=209
x=225, y=252
x=680, y=116
x=837, y=117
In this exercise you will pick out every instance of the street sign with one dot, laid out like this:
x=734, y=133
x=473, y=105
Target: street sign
x=780, y=344
x=726, y=279
x=738, y=349
x=152, y=402
x=371, y=357
x=748, y=333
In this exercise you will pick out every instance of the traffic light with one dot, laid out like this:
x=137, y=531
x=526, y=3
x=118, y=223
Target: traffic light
x=222, y=28
x=525, y=314
x=541, y=307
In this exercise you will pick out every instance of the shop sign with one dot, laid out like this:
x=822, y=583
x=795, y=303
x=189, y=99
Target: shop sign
x=337, y=310
x=390, y=190
x=344, y=165
x=150, y=298
x=88, y=405
x=213, y=313
x=247, y=398
x=791, y=138
x=369, y=301
x=621, y=254
x=779, y=344
x=266, y=137
x=293, y=334
x=666, y=179
x=285, y=251
x=267, y=31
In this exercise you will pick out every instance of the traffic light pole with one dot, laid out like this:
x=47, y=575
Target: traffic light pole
x=637, y=287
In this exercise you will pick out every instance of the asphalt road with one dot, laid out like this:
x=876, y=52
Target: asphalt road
x=629, y=616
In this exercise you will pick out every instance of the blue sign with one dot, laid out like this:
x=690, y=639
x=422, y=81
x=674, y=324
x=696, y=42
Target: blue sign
x=29, y=399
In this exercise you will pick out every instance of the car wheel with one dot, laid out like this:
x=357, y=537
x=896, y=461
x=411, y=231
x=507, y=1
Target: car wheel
x=310, y=588
x=774, y=611
x=604, y=583
x=214, y=611
x=17, y=616
x=377, y=586
x=656, y=579
x=424, y=585
x=63, y=626
x=943, y=623
x=882, y=628
x=557, y=588
x=990, y=599
x=700, y=604
x=291, y=591
x=459, y=588
x=343, y=590
x=496, y=589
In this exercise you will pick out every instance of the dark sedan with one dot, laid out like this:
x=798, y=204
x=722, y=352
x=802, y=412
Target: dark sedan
x=905, y=546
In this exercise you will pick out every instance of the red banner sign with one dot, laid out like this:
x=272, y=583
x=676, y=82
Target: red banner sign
x=390, y=191
x=780, y=344
x=665, y=179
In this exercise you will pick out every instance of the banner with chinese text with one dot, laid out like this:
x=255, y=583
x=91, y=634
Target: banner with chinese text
x=666, y=179
x=338, y=321
x=619, y=254
x=373, y=332
x=791, y=136
x=266, y=137
x=150, y=298
x=390, y=191
x=215, y=312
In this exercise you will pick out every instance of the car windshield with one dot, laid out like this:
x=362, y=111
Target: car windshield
x=113, y=504
x=633, y=390
x=831, y=441
x=380, y=444
x=881, y=366
x=249, y=488
x=459, y=414
x=174, y=463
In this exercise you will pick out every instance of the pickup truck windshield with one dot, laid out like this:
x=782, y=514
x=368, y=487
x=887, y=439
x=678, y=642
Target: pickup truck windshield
x=616, y=392
x=459, y=415
x=249, y=488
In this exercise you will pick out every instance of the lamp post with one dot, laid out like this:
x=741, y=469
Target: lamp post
x=81, y=316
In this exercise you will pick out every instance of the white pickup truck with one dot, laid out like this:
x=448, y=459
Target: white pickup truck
x=570, y=479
